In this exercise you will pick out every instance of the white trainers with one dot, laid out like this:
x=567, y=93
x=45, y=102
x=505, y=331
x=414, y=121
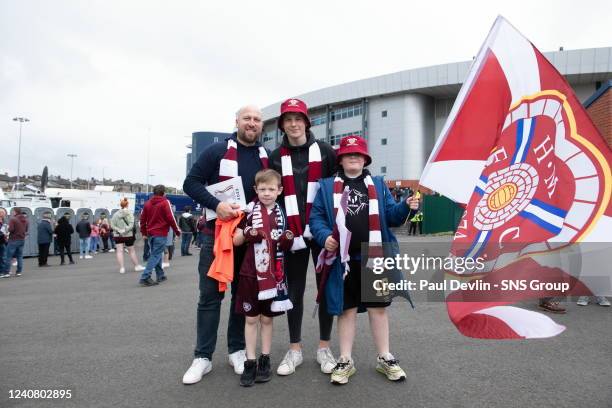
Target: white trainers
x=122, y=270
x=389, y=366
x=80, y=256
x=165, y=264
x=199, y=368
x=326, y=359
x=602, y=301
x=344, y=369
x=291, y=360
x=139, y=268
x=583, y=301
x=237, y=360
x=88, y=256
x=111, y=250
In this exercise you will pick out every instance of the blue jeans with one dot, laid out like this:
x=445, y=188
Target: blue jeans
x=146, y=251
x=14, y=249
x=94, y=244
x=157, y=245
x=84, y=246
x=185, y=241
x=209, y=305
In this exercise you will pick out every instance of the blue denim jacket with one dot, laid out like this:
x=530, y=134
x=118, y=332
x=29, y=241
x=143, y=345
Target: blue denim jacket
x=322, y=220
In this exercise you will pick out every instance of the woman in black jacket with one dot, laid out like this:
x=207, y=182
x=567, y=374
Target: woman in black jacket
x=63, y=232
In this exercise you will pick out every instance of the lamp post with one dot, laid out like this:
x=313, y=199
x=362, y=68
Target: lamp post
x=20, y=120
x=149, y=181
x=72, y=156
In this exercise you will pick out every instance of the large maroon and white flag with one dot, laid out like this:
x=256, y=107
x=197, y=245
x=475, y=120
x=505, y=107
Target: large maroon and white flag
x=520, y=152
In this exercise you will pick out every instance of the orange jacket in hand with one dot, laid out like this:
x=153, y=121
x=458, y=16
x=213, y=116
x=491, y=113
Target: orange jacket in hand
x=222, y=267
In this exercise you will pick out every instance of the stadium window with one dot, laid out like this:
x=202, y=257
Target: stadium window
x=335, y=139
x=383, y=142
x=346, y=112
x=383, y=114
x=317, y=120
x=383, y=169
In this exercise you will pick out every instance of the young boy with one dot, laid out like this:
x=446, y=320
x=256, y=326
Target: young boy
x=262, y=288
x=370, y=211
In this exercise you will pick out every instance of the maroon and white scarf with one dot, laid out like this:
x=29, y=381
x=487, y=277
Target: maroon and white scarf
x=315, y=171
x=340, y=198
x=375, y=235
x=269, y=265
x=228, y=167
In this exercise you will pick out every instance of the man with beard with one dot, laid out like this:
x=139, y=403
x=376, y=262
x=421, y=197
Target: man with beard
x=239, y=155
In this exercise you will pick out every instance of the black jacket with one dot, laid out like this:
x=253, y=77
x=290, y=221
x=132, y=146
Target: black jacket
x=187, y=223
x=63, y=230
x=299, y=162
x=84, y=229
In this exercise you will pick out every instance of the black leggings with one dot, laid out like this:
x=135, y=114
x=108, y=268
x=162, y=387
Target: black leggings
x=296, y=266
x=65, y=246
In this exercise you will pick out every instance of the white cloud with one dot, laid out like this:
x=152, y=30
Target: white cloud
x=94, y=76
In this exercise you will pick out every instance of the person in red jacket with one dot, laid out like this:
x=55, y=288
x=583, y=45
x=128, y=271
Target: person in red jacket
x=156, y=220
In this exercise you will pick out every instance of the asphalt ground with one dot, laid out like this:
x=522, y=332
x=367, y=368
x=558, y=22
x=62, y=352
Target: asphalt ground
x=88, y=329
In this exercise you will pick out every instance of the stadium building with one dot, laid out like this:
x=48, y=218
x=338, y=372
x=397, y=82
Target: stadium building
x=401, y=114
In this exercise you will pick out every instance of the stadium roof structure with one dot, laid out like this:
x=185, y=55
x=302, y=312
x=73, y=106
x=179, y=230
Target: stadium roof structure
x=581, y=66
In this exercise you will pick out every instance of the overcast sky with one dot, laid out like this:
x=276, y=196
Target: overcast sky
x=96, y=77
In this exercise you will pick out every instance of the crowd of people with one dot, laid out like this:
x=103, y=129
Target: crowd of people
x=116, y=235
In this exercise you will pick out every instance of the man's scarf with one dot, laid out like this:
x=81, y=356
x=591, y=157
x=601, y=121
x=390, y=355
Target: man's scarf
x=271, y=279
x=315, y=171
x=228, y=167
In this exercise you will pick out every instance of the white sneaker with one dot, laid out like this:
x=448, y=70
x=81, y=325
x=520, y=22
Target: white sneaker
x=80, y=256
x=199, y=368
x=122, y=270
x=88, y=256
x=236, y=360
x=602, y=301
x=291, y=360
x=165, y=264
x=111, y=250
x=326, y=359
x=583, y=301
x=139, y=268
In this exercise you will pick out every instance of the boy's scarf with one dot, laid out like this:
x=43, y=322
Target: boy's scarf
x=343, y=236
x=375, y=236
x=228, y=167
x=315, y=171
x=271, y=279
x=340, y=197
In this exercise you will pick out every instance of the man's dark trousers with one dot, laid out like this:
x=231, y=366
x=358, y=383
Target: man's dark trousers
x=2, y=252
x=185, y=242
x=209, y=305
x=43, y=253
